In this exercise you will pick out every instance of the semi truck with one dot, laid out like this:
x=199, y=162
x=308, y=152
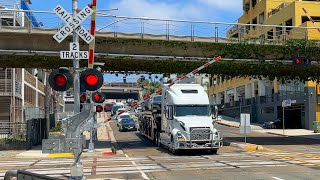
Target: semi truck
x=184, y=120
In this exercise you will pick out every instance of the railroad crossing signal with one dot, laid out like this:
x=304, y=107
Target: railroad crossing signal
x=98, y=97
x=73, y=24
x=300, y=61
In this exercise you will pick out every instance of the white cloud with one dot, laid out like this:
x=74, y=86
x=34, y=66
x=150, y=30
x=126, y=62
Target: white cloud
x=223, y=4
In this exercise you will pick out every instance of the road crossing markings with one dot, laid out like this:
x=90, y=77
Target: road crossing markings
x=292, y=159
x=276, y=178
x=142, y=173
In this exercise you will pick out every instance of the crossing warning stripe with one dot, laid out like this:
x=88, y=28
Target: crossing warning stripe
x=310, y=18
x=189, y=75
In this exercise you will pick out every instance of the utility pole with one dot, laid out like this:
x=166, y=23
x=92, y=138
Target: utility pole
x=76, y=81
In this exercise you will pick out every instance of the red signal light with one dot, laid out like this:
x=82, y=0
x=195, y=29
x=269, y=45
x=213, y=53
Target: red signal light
x=298, y=61
x=91, y=79
x=83, y=98
x=60, y=80
x=99, y=108
x=98, y=97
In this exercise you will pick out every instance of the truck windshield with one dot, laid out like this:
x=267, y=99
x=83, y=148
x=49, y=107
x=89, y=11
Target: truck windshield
x=157, y=99
x=197, y=110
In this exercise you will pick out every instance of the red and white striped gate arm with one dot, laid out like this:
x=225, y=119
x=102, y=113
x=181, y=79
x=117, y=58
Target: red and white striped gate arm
x=189, y=75
x=310, y=18
x=92, y=32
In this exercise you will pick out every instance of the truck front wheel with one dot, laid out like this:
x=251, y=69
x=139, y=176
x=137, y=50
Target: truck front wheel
x=213, y=151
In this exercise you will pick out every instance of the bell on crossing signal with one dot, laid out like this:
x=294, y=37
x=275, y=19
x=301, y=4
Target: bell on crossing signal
x=92, y=79
x=98, y=97
x=60, y=79
x=99, y=108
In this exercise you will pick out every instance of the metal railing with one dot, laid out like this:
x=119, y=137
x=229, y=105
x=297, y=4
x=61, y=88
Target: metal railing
x=174, y=30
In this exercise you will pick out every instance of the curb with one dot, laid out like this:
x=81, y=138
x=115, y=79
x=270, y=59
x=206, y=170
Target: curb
x=113, y=139
x=225, y=124
x=247, y=147
x=278, y=134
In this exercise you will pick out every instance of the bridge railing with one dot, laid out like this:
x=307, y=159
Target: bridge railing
x=184, y=30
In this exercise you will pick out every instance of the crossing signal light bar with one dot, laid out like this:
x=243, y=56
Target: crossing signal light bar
x=92, y=79
x=98, y=97
x=60, y=79
x=301, y=61
x=99, y=108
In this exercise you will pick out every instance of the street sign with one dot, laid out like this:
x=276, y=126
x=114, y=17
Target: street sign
x=74, y=55
x=286, y=103
x=245, y=127
x=74, y=52
x=73, y=24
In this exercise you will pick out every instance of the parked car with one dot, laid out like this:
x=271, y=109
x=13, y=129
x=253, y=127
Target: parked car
x=127, y=124
x=123, y=116
x=108, y=107
x=275, y=124
x=114, y=110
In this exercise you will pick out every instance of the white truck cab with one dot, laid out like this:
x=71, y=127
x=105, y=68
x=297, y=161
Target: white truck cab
x=187, y=121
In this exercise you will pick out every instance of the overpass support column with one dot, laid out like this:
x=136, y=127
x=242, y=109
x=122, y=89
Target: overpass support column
x=262, y=87
x=248, y=91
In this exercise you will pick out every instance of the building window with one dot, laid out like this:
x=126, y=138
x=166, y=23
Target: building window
x=254, y=21
x=267, y=110
x=289, y=23
x=270, y=34
x=261, y=18
x=279, y=31
x=247, y=28
x=305, y=18
x=254, y=3
x=246, y=7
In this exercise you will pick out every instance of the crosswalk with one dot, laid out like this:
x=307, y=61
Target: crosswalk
x=122, y=165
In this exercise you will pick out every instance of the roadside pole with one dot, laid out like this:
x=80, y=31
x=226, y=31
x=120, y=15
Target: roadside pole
x=76, y=81
x=283, y=119
x=77, y=167
x=93, y=131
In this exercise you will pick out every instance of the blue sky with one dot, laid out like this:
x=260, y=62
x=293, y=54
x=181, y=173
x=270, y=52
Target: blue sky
x=201, y=10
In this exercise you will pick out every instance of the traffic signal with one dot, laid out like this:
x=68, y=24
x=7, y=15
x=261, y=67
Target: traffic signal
x=98, y=97
x=99, y=108
x=92, y=79
x=60, y=79
x=301, y=61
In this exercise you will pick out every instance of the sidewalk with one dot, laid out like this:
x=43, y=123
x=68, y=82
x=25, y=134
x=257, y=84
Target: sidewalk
x=102, y=147
x=288, y=132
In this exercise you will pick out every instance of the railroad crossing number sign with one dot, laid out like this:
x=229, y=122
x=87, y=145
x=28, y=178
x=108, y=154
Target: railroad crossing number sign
x=74, y=52
x=73, y=24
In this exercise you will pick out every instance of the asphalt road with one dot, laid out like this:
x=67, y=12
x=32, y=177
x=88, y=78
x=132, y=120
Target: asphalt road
x=282, y=159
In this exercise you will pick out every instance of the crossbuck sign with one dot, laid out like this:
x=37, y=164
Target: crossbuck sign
x=73, y=24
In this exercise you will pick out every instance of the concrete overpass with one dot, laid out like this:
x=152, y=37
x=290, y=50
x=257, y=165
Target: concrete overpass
x=121, y=91
x=30, y=48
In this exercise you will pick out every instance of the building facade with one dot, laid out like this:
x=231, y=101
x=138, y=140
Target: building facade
x=280, y=13
x=263, y=98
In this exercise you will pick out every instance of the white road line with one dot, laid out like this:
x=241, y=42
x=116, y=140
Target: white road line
x=276, y=178
x=141, y=172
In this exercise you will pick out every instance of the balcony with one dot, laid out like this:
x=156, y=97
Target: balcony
x=277, y=9
x=29, y=78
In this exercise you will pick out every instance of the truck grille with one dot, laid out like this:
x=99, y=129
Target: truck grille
x=200, y=134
